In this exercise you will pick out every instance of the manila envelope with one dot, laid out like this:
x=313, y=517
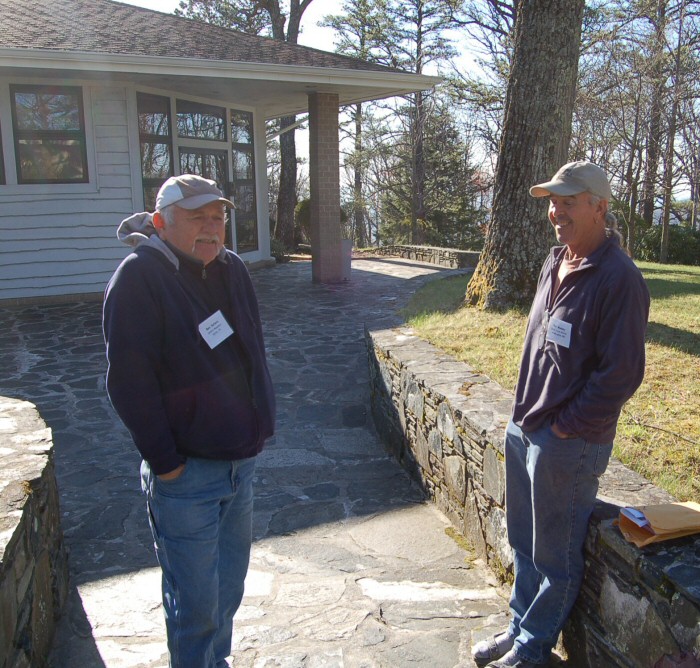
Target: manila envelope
x=666, y=521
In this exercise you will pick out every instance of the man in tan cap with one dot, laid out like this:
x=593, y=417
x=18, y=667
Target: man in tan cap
x=583, y=358
x=188, y=377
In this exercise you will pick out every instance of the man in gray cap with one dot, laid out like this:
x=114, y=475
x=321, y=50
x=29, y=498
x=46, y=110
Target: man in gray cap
x=583, y=358
x=188, y=377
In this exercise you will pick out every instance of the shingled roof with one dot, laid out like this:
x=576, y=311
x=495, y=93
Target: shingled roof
x=107, y=27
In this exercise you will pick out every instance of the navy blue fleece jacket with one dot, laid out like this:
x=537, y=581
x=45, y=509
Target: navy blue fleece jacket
x=176, y=395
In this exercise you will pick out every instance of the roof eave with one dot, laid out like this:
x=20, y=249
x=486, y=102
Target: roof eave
x=101, y=62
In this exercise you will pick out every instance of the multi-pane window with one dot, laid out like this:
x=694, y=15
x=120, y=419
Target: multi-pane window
x=200, y=121
x=244, y=180
x=155, y=137
x=194, y=140
x=48, y=123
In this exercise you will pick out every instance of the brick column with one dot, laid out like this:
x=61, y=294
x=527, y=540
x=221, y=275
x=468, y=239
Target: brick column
x=324, y=177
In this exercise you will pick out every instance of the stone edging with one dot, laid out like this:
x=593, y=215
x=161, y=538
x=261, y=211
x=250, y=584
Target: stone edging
x=444, y=257
x=445, y=424
x=33, y=561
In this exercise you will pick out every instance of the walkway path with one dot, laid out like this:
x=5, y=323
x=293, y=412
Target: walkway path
x=350, y=567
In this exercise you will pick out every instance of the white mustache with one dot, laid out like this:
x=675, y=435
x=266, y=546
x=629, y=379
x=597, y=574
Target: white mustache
x=207, y=239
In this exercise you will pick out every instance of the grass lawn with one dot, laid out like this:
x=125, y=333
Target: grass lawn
x=659, y=430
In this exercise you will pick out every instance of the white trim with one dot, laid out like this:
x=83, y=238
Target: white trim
x=261, y=186
x=12, y=187
x=132, y=128
x=228, y=69
x=288, y=128
x=8, y=139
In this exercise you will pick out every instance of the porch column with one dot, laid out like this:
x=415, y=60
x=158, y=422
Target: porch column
x=324, y=177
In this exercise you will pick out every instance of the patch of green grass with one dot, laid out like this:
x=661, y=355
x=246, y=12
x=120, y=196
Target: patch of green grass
x=659, y=430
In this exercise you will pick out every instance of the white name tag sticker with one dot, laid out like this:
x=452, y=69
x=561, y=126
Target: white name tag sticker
x=559, y=332
x=215, y=329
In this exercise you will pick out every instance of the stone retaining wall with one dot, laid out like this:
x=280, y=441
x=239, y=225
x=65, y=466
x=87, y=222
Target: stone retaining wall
x=445, y=424
x=33, y=563
x=445, y=257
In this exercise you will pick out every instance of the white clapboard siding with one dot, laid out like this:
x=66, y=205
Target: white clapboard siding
x=58, y=242
x=83, y=226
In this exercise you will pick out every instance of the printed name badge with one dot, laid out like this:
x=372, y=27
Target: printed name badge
x=215, y=329
x=559, y=332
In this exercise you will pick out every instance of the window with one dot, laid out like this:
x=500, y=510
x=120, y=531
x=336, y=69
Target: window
x=155, y=137
x=200, y=121
x=49, y=130
x=244, y=181
x=209, y=164
x=193, y=138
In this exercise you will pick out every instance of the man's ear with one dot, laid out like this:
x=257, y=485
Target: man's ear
x=602, y=208
x=158, y=220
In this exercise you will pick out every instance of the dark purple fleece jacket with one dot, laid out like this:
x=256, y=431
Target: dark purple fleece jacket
x=584, y=386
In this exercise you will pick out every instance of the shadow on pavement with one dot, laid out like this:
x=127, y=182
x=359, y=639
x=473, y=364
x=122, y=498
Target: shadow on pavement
x=325, y=465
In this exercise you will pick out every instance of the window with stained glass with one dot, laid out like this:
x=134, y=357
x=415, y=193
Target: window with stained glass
x=48, y=124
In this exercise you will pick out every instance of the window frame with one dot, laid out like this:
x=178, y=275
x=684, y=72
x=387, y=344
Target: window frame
x=3, y=178
x=81, y=134
x=152, y=139
x=244, y=217
x=205, y=145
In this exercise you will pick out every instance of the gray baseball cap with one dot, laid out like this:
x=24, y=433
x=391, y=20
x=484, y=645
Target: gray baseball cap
x=189, y=191
x=574, y=178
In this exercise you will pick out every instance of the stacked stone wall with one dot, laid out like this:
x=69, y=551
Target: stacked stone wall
x=445, y=424
x=444, y=257
x=33, y=563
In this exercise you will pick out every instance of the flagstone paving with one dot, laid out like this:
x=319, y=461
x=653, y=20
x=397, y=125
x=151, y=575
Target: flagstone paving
x=351, y=566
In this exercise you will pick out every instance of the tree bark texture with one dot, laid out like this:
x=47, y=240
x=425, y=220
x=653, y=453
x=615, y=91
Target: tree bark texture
x=287, y=195
x=668, y=163
x=418, y=174
x=361, y=237
x=655, y=130
x=534, y=144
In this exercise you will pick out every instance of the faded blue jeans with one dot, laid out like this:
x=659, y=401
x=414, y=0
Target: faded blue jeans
x=202, y=528
x=551, y=486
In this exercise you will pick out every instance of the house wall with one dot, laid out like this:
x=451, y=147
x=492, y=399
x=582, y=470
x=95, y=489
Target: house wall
x=60, y=239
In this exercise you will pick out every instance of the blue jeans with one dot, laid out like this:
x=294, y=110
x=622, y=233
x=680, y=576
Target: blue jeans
x=202, y=528
x=551, y=485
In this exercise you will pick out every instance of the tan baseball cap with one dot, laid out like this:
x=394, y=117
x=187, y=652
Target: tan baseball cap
x=574, y=178
x=189, y=191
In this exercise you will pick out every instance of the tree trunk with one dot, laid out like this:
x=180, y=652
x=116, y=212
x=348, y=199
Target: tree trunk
x=359, y=208
x=418, y=174
x=654, y=137
x=631, y=181
x=668, y=167
x=534, y=144
x=287, y=194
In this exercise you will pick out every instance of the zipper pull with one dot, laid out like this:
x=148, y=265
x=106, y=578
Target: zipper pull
x=204, y=273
